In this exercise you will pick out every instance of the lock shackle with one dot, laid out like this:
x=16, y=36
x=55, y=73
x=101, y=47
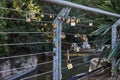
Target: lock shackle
x=68, y=56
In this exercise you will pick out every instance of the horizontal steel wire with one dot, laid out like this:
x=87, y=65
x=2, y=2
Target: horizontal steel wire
x=12, y=44
x=73, y=34
x=31, y=43
x=39, y=54
x=70, y=43
x=32, y=66
x=26, y=66
x=24, y=32
x=38, y=65
x=77, y=64
x=50, y=71
x=32, y=55
x=24, y=11
x=80, y=42
x=88, y=74
x=24, y=55
x=37, y=75
x=11, y=9
x=16, y=19
x=85, y=56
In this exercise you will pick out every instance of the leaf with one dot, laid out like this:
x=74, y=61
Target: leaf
x=102, y=29
x=107, y=30
x=102, y=41
x=114, y=52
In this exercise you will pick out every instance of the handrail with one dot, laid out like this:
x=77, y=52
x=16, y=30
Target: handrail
x=89, y=73
x=78, y=6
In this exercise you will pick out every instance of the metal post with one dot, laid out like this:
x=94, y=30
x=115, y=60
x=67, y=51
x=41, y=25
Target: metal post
x=114, y=39
x=57, y=73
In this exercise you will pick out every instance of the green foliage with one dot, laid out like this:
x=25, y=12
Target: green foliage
x=102, y=29
x=111, y=5
x=115, y=52
x=27, y=5
x=105, y=30
x=22, y=26
x=3, y=37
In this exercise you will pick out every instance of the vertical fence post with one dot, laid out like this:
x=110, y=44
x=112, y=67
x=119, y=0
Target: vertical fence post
x=57, y=73
x=114, y=39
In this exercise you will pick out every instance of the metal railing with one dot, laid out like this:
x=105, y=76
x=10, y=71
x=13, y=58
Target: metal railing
x=34, y=43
